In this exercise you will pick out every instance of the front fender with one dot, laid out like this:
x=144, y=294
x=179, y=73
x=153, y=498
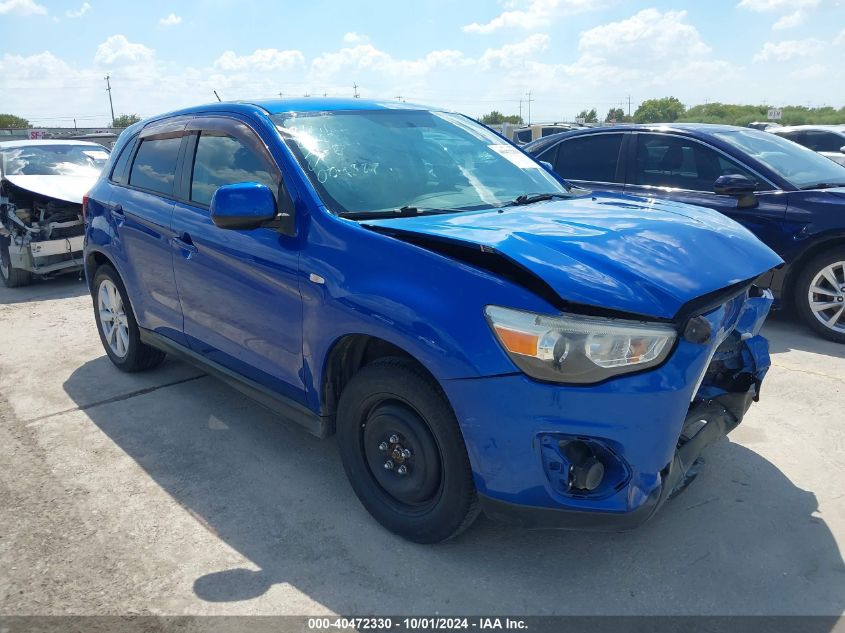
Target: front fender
x=422, y=302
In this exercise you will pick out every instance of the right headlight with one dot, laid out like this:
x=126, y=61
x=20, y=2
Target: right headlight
x=578, y=349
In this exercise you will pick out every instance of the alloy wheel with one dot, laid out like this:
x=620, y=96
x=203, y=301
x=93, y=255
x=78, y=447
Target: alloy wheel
x=113, y=321
x=826, y=296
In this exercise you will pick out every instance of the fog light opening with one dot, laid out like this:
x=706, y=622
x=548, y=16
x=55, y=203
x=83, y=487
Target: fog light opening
x=586, y=471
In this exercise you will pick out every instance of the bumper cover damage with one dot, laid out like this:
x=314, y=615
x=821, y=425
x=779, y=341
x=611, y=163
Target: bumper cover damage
x=737, y=360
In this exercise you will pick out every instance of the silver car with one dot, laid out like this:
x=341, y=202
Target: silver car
x=827, y=140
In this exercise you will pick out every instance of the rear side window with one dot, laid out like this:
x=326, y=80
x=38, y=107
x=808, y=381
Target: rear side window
x=224, y=160
x=681, y=163
x=118, y=173
x=155, y=164
x=592, y=158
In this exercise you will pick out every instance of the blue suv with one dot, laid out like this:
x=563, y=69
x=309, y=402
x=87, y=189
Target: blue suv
x=478, y=335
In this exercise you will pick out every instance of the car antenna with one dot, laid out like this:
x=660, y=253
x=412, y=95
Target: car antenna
x=216, y=95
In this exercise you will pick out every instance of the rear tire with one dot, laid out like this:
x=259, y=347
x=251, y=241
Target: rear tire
x=116, y=325
x=819, y=294
x=392, y=412
x=12, y=277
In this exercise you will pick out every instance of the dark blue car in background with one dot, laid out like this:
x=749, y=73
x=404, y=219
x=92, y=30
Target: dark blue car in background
x=477, y=335
x=789, y=196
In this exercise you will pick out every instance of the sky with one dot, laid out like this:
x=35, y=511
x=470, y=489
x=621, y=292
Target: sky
x=471, y=56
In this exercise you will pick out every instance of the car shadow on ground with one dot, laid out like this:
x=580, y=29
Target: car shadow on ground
x=62, y=287
x=743, y=539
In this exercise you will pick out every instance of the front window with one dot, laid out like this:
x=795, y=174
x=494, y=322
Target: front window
x=381, y=161
x=801, y=167
x=54, y=160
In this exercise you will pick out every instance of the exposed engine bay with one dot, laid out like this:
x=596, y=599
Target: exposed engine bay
x=43, y=234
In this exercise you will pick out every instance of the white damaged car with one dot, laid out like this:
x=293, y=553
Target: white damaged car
x=42, y=186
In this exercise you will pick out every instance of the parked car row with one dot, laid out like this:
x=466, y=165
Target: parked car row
x=480, y=334
x=790, y=197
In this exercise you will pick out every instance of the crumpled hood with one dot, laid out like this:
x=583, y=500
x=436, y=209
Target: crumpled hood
x=66, y=188
x=620, y=252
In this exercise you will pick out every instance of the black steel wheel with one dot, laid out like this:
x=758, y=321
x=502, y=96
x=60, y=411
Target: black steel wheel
x=404, y=453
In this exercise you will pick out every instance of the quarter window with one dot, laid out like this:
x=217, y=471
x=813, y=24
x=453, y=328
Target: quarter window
x=118, y=174
x=155, y=164
x=821, y=141
x=221, y=160
x=680, y=163
x=592, y=158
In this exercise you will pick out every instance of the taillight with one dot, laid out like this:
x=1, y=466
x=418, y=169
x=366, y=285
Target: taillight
x=84, y=207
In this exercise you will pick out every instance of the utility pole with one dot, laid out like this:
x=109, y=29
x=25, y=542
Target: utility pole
x=629, y=106
x=529, y=106
x=520, y=109
x=355, y=91
x=111, y=105
x=280, y=95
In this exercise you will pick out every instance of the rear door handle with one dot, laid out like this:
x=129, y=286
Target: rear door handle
x=185, y=243
x=118, y=211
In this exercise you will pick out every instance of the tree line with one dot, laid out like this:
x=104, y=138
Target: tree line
x=670, y=110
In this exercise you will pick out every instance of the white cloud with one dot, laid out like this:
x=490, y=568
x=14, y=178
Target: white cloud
x=797, y=10
x=22, y=7
x=789, y=49
x=264, y=59
x=790, y=21
x=840, y=39
x=170, y=20
x=353, y=38
x=368, y=58
x=78, y=13
x=512, y=55
x=768, y=6
x=813, y=71
x=118, y=50
x=646, y=36
x=536, y=15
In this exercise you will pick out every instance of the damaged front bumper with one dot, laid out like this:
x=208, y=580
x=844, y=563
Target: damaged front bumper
x=646, y=430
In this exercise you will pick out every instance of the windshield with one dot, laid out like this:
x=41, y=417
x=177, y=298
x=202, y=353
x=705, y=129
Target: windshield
x=800, y=166
x=54, y=160
x=367, y=161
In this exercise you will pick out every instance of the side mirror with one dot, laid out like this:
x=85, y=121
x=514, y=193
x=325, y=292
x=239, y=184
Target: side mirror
x=842, y=149
x=734, y=185
x=242, y=206
x=548, y=165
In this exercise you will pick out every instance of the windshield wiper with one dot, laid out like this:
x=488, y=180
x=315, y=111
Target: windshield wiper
x=402, y=212
x=823, y=185
x=531, y=198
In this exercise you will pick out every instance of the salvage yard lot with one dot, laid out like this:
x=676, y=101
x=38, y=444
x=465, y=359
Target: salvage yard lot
x=169, y=492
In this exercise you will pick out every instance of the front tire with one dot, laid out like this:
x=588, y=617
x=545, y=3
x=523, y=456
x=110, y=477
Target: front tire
x=820, y=294
x=119, y=332
x=12, y=277
x=403, y=452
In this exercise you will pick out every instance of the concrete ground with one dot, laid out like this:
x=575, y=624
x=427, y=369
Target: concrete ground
x=170, y=493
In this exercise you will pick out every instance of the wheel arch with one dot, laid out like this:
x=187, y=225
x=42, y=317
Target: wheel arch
x=793, y=271
x=350, y=353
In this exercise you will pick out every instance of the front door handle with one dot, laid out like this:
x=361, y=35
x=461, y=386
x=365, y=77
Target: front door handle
x=117, y=211
x=185, y=243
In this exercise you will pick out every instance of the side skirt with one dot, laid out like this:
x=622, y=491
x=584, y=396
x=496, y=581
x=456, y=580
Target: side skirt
x=318, y=425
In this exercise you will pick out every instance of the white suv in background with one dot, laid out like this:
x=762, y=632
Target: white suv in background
x=828, y=140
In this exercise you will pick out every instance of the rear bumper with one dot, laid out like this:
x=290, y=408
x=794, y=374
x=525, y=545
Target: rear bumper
x=718, y=420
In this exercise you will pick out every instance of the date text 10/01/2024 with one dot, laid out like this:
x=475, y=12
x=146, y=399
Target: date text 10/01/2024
x=416, y=623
